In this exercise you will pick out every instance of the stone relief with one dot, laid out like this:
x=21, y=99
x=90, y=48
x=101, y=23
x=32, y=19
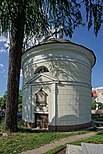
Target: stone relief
x=41, y=100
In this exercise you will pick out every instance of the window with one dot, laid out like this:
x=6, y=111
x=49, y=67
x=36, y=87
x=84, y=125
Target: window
x=41, y=69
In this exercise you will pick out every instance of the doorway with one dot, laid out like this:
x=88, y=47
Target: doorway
x=41, y=120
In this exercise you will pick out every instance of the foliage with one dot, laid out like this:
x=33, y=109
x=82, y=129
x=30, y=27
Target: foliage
x=27, y=139
x=41, y=15
x=4, y=99
x=96, y=139
x=100, y=105
x=51, y=151
x=94, y=105
x=94, y=14
x=20, y=101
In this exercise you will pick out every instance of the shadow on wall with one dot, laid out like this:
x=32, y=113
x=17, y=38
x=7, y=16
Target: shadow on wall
x=58, y=69
x=29, y=100
x=28, y=71
x=68, y=123
x=65, y=120
x=26, y=103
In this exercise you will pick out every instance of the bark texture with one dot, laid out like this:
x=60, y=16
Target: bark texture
x=16, y=42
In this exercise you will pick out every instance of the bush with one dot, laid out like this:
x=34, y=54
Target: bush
x=100, y=105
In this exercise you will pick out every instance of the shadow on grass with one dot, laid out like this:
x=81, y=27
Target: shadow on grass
x=29, y=130
x=24, y=129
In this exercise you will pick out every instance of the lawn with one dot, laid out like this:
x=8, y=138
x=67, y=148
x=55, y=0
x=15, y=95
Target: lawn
x=96, y=139
x=27, y=139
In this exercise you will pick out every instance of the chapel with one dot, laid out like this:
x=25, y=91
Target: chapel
x=56, y=93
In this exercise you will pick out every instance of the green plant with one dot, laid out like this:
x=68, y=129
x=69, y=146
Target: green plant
x=97, y=139
x=94, y=104
x=27, y=139
x=3, y=100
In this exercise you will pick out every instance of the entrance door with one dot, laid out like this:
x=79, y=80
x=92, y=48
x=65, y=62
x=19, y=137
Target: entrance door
x=41, y=120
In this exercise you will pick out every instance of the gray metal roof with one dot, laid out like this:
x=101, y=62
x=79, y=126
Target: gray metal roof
x=54, y=40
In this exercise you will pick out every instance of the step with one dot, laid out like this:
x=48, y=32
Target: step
x=73, y=149
x=89, y=148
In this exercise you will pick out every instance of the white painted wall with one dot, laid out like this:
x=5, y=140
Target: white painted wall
x=69, y=98
x=26, y=104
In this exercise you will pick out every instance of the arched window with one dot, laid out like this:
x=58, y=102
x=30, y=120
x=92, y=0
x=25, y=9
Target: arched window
x=41, y=69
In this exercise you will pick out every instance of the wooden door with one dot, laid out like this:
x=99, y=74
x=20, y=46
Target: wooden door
x=41, y=120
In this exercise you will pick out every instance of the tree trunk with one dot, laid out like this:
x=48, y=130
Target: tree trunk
x=16, y=43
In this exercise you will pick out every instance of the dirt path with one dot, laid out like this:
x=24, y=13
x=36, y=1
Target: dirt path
x=47, y=147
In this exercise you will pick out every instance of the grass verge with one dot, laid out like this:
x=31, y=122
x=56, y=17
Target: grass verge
x=27, y=139
x=96, y=139
x=54, y=149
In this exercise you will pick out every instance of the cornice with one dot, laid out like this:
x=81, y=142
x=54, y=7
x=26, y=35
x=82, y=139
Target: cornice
x=57, y=48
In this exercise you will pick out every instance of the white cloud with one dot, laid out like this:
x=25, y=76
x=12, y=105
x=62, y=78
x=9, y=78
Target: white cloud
x=2, y=70
x=4, y=44
x=99, y=88
x=3, y=51
x=2, y=39
x=7, y=47
x=1, y=65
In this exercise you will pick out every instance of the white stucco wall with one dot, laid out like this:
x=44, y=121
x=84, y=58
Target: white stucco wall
x=73, y=104
x=69, y=94
x=26, y=104
x=49, y=55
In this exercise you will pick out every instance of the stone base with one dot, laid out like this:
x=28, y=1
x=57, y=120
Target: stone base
x=65, y=128
x=68, y=128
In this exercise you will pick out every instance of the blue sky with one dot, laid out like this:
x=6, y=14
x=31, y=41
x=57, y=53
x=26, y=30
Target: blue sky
x=3, y=66
x=89, y=40
x=80, y=36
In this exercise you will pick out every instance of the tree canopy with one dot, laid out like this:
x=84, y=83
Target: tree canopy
x=3, y=100
x=39, y=16
x=94, y=14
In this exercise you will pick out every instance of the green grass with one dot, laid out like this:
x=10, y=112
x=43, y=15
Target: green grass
x=54, y=149
x=96, y=139
x=27, y=139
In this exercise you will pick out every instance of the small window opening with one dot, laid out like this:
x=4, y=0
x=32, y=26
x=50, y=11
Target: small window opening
x=41, y=69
